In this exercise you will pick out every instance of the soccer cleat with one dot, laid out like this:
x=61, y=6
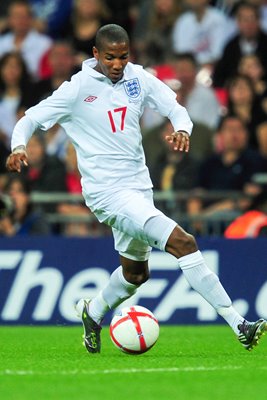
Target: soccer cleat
x=251, y=332
x=91, y=337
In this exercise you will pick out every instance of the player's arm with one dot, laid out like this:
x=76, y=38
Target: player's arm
x=161, y=98
x=44, y=115
x=21, y=134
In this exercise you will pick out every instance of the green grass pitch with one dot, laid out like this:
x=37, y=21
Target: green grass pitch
x=187, y=362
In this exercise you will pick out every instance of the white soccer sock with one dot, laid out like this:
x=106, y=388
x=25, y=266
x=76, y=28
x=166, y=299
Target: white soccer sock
x=117, y=290
x=207, y=284
x=231, y=316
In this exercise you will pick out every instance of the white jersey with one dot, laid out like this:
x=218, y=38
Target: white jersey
x=205, y=38
x=102, y=120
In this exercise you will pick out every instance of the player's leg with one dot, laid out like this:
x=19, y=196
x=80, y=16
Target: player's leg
x=134, y=232
x=126, y=213
x=123, y=283
x=183, y=246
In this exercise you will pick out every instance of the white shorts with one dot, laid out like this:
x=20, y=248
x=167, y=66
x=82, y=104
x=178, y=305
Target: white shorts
x=127, y=212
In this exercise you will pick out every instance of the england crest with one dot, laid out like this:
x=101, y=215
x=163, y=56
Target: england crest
x=132, y=88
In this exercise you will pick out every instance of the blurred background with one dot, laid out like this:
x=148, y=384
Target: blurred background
x=211, y=53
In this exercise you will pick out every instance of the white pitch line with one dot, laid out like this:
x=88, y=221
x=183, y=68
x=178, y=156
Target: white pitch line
x=8, y=372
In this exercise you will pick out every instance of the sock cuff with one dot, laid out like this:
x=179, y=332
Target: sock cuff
x=191, y=260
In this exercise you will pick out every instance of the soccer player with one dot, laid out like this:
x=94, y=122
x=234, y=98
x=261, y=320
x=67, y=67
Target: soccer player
x=100, y=110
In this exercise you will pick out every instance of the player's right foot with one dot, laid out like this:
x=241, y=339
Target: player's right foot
x=251, y=332
x=92, y=340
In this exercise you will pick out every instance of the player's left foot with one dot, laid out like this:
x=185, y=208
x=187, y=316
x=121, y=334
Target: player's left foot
x=91, y=337
x=251, y=332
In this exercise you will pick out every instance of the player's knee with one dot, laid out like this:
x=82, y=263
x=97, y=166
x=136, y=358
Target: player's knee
x=137, y=278
x=181, y=243
x=187, y=245
x=135, y=272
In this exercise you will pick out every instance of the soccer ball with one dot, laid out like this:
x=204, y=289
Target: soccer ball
x=135, y=330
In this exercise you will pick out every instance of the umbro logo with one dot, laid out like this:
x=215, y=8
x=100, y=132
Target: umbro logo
x=90, y=99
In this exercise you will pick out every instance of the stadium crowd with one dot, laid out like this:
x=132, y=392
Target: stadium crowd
x=211, y=53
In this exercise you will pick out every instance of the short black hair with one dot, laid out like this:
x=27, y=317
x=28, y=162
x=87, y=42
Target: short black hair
x=243, y=4
x=110, y=33
x=186, y=56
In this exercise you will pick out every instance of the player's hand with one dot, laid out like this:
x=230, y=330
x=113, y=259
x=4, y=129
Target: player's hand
x=16, y=159
x=180, y=140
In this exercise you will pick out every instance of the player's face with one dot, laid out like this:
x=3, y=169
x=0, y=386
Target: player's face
x=112, y=59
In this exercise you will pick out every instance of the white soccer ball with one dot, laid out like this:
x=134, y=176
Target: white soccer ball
x=134, y=330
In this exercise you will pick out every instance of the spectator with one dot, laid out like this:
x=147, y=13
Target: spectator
x=153, y=31
x=251, y=66
x=78, y=208
x=262, y=5
x=180, y=74
x=73, y=176
x=51, y=16
x=201, y=143
x=229, y=7
x=124, y=13
x=23, y=38
x=170, y=171
x=193, y=95
x=55, y=142
x=3, y=15
x=4, y=151
x=173, y=170
x=253, y=222
x=61, y=63
x=45, y=173
x=87, y=17
x=165, y=72
x=20, y=217
x=60, y=66
x=233, y=167
x=202, y=30
x=250, y=39
x=243, y=102
x=15, y=92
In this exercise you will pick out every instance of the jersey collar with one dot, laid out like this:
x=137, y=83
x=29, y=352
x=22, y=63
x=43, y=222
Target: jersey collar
x=88, y=67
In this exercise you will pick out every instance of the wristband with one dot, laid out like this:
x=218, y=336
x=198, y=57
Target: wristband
x=19, y=149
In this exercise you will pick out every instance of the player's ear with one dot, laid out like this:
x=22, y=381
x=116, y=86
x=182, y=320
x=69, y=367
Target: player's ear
x=95, y=53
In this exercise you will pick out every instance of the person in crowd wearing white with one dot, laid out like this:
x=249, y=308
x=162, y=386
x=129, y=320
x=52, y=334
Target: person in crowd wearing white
x=22, y=37
x=202, y=30
x=100, y=109
x=193, y=95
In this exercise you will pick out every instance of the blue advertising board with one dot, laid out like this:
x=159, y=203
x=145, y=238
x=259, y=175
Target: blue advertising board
x=41, y=279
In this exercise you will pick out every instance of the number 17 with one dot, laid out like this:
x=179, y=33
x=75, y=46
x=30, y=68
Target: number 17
x=122, y=110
